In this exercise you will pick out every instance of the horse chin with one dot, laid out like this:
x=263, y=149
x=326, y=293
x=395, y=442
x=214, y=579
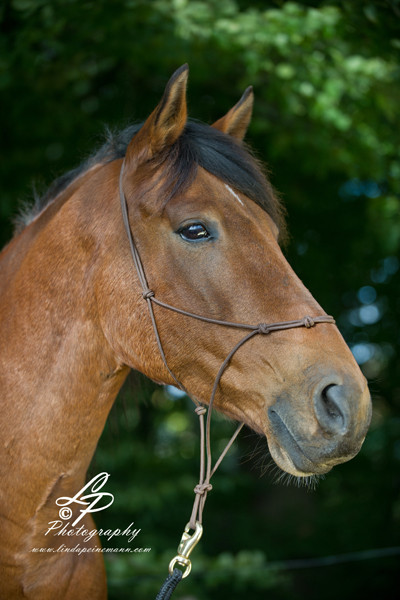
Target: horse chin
x=291, y=458
x=295, y=463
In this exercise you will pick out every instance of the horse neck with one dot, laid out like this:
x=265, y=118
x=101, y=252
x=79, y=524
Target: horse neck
x=59, y=376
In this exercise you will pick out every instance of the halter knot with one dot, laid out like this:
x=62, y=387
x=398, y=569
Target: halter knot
x=202, y=488
x=263, y=328
x=148, y=294
x=308, y=322
x=200, y=410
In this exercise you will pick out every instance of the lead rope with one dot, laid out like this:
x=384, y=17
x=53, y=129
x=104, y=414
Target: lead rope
x=189, y=541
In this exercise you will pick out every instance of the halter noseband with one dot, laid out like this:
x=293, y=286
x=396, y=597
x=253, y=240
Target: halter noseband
x=206, y=469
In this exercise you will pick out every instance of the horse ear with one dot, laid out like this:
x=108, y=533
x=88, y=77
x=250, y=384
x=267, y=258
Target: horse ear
x=165, y=124
x=237, y=120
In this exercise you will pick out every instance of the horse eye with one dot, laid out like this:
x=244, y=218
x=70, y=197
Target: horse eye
x=194, y=232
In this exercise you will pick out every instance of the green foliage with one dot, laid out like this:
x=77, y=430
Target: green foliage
x=326, y=79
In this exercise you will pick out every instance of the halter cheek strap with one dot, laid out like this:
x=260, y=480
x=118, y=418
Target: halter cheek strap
x=206, y=470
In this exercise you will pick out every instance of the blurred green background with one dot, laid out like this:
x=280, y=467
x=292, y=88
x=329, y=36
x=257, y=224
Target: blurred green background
x=327, y=85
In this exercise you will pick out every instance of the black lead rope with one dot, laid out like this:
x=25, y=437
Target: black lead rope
x=169, y=585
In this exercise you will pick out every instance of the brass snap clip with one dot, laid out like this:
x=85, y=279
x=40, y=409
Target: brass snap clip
x=187, y=543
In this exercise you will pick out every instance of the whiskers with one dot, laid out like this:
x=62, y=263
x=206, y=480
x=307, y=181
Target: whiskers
x=309, y=482
x=261, y=460
x=258, y=454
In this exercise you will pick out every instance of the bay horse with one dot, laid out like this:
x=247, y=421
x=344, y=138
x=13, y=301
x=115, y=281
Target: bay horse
x=73, y=323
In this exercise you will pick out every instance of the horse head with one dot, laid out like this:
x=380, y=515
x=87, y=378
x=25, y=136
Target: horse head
x=207, y=225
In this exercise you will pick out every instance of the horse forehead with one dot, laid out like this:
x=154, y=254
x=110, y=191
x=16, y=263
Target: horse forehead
x=210, y=187
x=220, y=187
x=234, y=194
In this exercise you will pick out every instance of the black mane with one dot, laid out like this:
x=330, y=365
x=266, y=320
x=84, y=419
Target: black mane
x=199, y=145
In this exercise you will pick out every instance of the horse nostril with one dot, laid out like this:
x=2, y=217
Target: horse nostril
x=332, y=409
